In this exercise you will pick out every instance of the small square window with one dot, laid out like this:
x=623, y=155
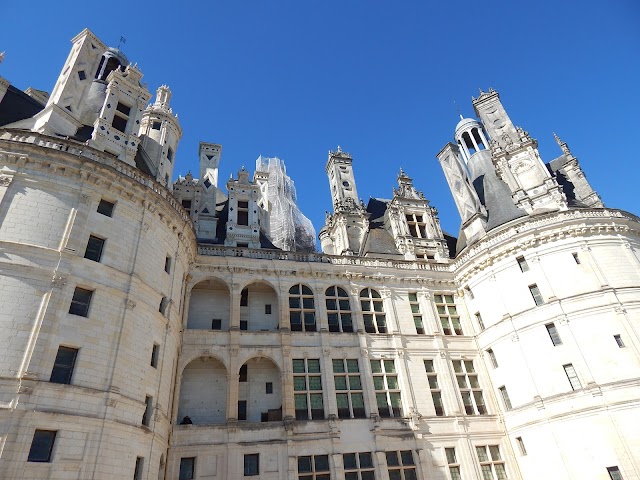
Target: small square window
x=523, y=451
x=137, y=472
x=80, y=302
x=553, y=334
x=535, y=293
x=522, y=263
x=251, y=464
x=42, y=446
x=63, y=365
x=156, y=125
x=94, y=248
x=82, y=75
x=619, y=341
x=216, y=324
x=155, y=351
x=148, y=410
x=105, y=207
x=187, y=468
x=614, y=473
x=269, y=388
x=267, y=309
x=167, y=264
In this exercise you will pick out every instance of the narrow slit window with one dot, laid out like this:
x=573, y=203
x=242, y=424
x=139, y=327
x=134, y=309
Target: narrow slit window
x=522, y=263
x=553, y=334
x=572, y=376
x=619, y=341
x=520, y=442
x=535, y=293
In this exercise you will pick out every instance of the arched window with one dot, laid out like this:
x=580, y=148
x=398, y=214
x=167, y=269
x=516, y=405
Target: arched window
x=373, y=311
x=338, y=310
x=302, y=313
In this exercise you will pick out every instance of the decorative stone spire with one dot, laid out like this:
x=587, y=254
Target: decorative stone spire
x=563, y=145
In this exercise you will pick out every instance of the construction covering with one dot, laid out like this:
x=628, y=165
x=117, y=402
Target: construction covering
x=289, y=229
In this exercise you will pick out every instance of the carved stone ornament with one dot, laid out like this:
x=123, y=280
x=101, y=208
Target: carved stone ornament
x=131, y=304
x=5, y=180
x=59, y=281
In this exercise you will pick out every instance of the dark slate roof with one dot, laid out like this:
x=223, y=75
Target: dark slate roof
x=378, y=241
x=556, y=168
x=17, y=105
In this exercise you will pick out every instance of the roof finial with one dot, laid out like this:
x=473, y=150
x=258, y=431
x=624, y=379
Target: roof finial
x=458, y=109
x=2, y=54
x=339, y=149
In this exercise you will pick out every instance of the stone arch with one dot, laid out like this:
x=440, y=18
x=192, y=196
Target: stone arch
x=203, y=392
x=260, y=390
x=259, y=307
x=209, y=305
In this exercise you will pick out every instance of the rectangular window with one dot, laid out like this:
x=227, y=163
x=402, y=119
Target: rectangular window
x=242, y=410
x=314, y=467
x=148, y=410
x=614, y=473
x=385, y=382
x=187, y=468
x=94, y=248
x=105, y=207
x=162, y=308
x=244, y=373
x=267, y=309
x=520, y=442
x=251, y=464
x=156, y=125
x=576, y=258
x=358, y=466
x=436, y=393
x=505, y=398
x=553, y=334
x=307, y=387
x=522, y=263
x=452, y=462
x=170, y=154
x=492, y=358
x=42, y=446
x=244, y=325
x=480, y=322
x=167, y=264
x=243, y=213
x=415, y=311
x=269, y=388
x=349, y=394
x=535, y=293
x=417, y=226
x=572, y=376
x=80, y=302
x=155, y=350
x=121, y=117
x=401, y=465
x=619, y=341
x=338, y=310
x=137, y=471
x=63, y=365
x=216, y=324
x=491, y=462
x=448, y=313
x=186, y=204
x=470, y=391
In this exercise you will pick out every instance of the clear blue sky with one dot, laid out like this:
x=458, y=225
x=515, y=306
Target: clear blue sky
x=294, y=79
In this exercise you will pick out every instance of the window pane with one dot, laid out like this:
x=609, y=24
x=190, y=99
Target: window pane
x=407, y=457
x=389, y=366
x=341, y=383
x=482, y=454
x=354, y=382
x=352, y=366
x=392, y=459
x=299, y=383
x=495, y=452
x=322, y=463
x=376, y=366
x=298, y=366
x=304, y=464
x=315, y=383
x=338, y=366
x=313, y=366
x=349, y=460
x=378, y=383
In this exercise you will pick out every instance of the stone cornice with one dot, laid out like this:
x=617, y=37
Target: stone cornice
x=521, y=235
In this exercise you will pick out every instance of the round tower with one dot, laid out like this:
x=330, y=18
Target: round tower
x=160, y=133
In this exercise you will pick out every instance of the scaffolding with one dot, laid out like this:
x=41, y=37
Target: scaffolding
x=289, y=229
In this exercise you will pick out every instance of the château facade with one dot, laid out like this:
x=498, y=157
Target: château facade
x=152, y=329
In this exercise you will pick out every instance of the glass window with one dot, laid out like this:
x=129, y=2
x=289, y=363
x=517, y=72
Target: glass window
x=302, y=313
x=339, y=313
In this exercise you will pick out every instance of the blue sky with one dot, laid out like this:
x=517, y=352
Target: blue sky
x=294, y=79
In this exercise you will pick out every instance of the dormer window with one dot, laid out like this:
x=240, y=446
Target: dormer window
x=121, y=117
x=417, y=226
x=243, y=213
